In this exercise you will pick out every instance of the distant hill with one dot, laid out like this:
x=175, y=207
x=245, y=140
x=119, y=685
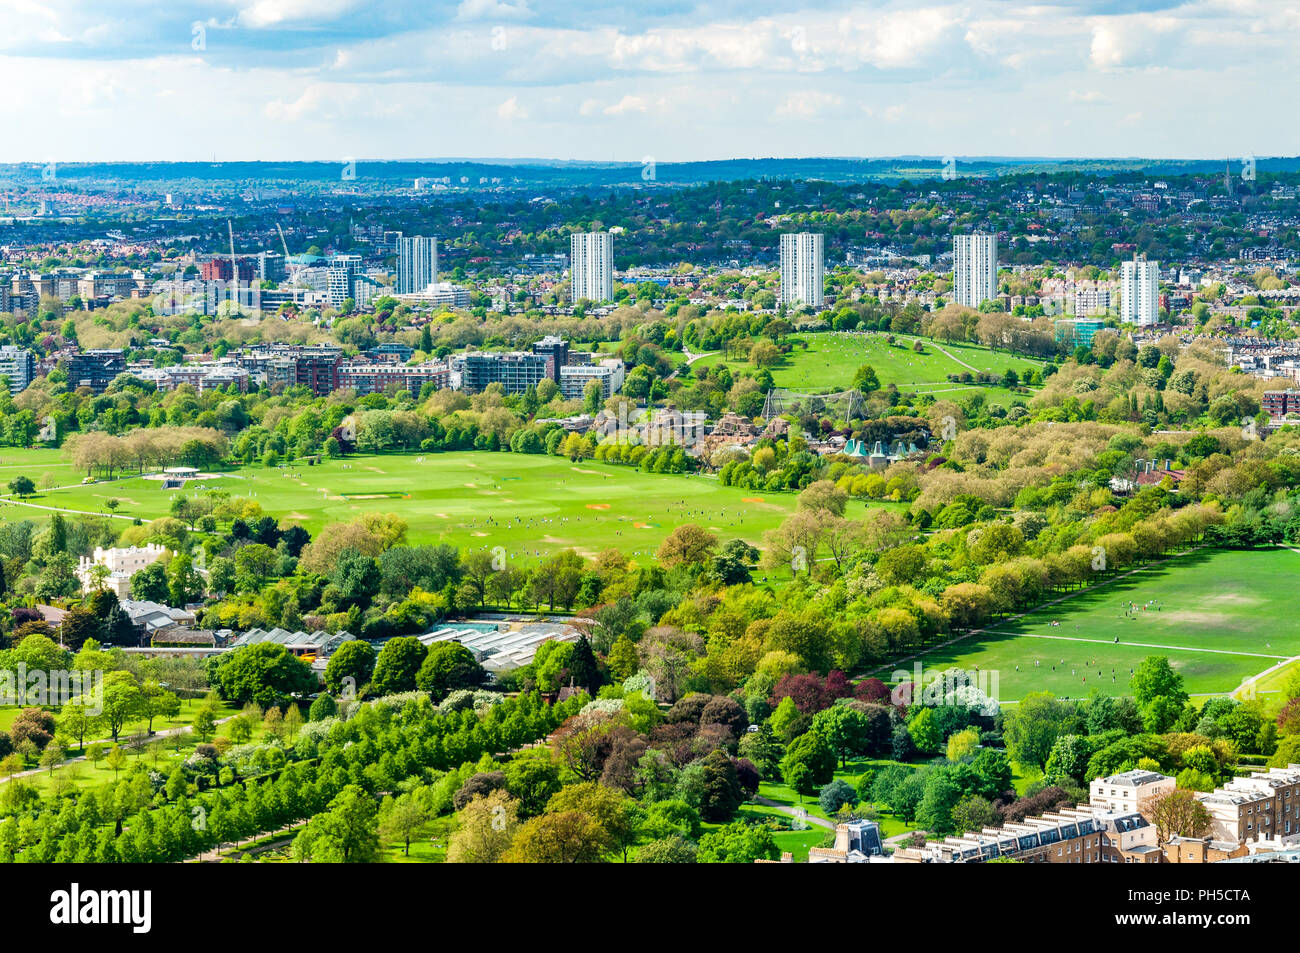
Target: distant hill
x=575, y=174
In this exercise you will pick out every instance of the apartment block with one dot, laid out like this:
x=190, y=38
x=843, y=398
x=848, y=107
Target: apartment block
x=575, y=377
x=591, y=269
x=371, y=377
x=803, y=265
x=1139, y=301
x=974, y=269
x=95, y=368
x=516, y=371
x=417, y=263
x=19, y=365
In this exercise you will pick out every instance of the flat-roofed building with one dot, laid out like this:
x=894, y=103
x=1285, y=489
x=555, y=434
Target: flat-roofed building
x=1129, y=792
x=19, y=365
x=574, y=378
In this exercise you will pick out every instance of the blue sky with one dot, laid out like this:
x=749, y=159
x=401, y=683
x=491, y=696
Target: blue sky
x=672, y=80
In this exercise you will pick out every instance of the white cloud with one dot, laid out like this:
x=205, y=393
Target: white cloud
x=269, y=13
x=511, y=111
x=628, y=104
x=492, y=10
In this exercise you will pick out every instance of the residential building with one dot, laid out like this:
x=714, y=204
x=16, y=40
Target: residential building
x=1127, y=838
x=515, y=370
x=1262, y=807
x=555, y=348
x=803, y=267
x=974, y=269
x=202, y=377
x=442, y=293
x=19, y=365
x=1202, y=850
x=1130, y=792
x=121, y=563
x=574, y=378
x=375, y=377
x=95, y=368
x=417, y=263
x=1066, y=838
x=341, y=277
x=1091, y=299
x=1139, y=301
x=1278, y=403
x=591, y=269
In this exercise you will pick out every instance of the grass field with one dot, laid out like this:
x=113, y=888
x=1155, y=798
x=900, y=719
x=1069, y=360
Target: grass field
x=1219, y=617
x=530, y=504
x=832, y=358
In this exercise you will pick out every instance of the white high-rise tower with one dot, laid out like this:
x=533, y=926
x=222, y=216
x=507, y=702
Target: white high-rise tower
x=802, y=268
x=1139, y=293
x=591, y=266
x=417, y=264
x=974, y=269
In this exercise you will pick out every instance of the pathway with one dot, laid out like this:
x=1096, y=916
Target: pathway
x=794, y=812
x=122, y=742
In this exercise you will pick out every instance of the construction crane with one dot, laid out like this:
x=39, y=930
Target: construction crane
x=283, y=243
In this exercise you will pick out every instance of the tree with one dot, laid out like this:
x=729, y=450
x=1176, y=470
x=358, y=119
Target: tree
x=347, y=832
x=1032, y=727
x=79, y=625
x=266, y=673
x=566, y=837
x=1177, y=813
x=184, y=584
x=356, y=576
x=1158, y=691
x=687, y=545
x=150, y=584
x=836, y=795
x=616, y=815
x=51, y=758
x=403, y=818
x=22, y=487
x=115, y=759
x=487, y=828
x=673, y=849
x=323, y=707
x=157, y=702
x=398, y=666
x=122, y=701
x=76, y=722
x=865, y=379
x=737, y=843
x=351, y=665
x=808, y=764
x=532, y=781
x=722, y=793
x=205, y=722
x=937, y=802
x=847, y=730
x=448, y=666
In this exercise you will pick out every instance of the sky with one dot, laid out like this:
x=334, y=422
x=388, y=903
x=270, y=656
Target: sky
x=668, y=80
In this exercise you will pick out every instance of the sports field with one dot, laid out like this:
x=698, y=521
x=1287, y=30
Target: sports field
x=532, y=505
x=832, y=358
x=1218, y=617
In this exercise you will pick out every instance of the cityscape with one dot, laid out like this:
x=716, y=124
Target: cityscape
x=779, y=500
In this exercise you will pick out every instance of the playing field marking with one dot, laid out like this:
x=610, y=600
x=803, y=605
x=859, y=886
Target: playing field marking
x=1141, y=645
